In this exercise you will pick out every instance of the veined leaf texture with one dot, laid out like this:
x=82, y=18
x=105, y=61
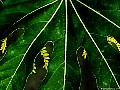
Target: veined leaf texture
x=59, y=45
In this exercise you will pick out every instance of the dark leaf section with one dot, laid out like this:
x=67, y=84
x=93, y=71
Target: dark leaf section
x=35, y=79
x=75, y=39
x=1, y=4
x=11, y=39
x=88, y=81
x=12, y=12
x=14, y=36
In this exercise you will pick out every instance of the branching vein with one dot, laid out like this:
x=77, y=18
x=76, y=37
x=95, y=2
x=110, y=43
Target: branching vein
x=94, y=43
x=33, y=42
x=99, y=14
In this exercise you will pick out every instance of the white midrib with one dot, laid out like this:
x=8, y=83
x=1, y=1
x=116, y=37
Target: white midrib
x=66, y=26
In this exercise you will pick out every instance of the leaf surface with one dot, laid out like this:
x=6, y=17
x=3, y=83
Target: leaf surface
x=69, y=24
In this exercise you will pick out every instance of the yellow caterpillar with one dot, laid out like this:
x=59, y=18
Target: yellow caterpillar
x=34, y=68
x=45, y=56
x=3, y=45
x=84, y=54
x=113, y=40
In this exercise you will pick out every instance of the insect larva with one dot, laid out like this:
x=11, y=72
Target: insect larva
x=40, y=64
x=84, y=54
x=85, y=71
x=34, y=67
x=113, y=42
x=3, y=45
x=45, y=56
x=81, y=56
x=112, y=39
x=11, y=38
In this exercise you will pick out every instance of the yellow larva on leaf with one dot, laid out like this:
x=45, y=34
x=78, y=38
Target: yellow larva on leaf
x=45, y=66
x=3, y=45
x=84, y=54
x=46, y=61
x=34, y=68
x=45, y=56
x=112, y=40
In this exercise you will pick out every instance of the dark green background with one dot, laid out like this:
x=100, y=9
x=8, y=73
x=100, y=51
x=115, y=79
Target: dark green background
x=39, y=16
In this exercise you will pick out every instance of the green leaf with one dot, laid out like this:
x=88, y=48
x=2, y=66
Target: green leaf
x=39, y=71
x=40, y=25
x=70, y=24
x=90, y=30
